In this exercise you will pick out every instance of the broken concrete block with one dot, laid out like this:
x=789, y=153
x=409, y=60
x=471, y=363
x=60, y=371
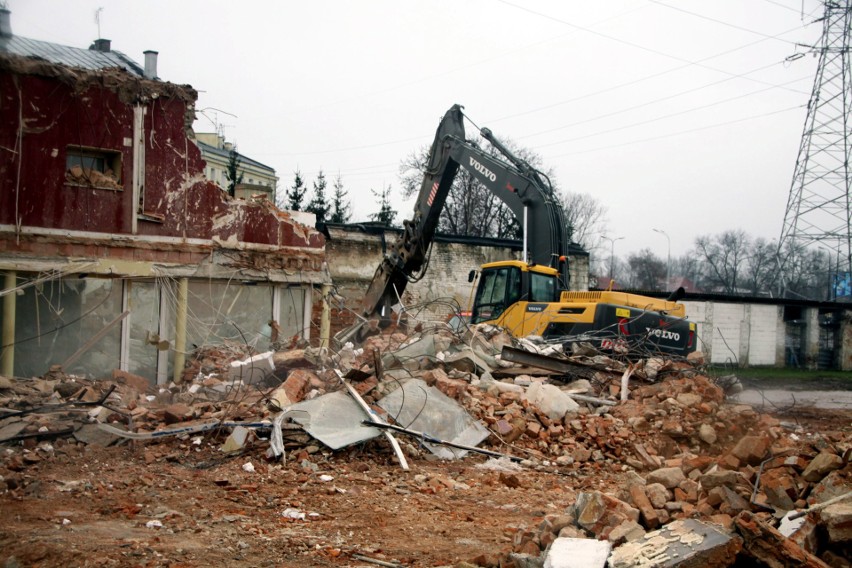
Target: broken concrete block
x=687, y=543
x=577, y=553
x=595, y=511
x=823, y=464
x=688, y=399
x=10, y=428
x=252, y=370
x=279, y=398
x=657, y=494
x=412, y=352
x=837, y=519
x=91, y=435
x=625, y=532
x=236, y=440
x=525, y=560
x=668, y=477
x=707, y=434
x=751, y=449
x=718, y=478
x=550, y=400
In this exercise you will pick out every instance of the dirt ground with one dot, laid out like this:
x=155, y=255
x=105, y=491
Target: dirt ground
x=183, y=503
x=86, y=506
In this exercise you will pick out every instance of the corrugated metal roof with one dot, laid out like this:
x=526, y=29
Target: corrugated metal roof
x=70, y=56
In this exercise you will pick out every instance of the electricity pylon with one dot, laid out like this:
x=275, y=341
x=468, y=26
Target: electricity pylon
x=819, y=208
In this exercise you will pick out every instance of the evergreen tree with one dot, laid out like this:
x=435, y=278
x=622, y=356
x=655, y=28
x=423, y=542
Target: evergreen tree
x=296, y=194
x=341, y=210
x=386, y=213
x=319, y=205
x=234, y=176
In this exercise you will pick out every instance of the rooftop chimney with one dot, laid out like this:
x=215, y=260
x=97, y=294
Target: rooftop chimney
x=5, y=23
x=102, y=45
x=150, y=64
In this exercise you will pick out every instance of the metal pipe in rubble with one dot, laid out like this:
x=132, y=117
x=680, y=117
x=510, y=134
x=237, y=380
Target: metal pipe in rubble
x=325, y=318
x=7, y=339
x=180, y=329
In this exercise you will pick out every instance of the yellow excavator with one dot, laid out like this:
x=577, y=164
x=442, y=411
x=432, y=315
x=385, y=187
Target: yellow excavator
x=529, y=296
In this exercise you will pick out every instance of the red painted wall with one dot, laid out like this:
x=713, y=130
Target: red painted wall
x=60, y=108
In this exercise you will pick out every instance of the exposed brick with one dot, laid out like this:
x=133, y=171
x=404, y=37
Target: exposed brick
x=296, y=385
x=646, y=510
x=770, y=547
x=177, y=412
x=751, y=449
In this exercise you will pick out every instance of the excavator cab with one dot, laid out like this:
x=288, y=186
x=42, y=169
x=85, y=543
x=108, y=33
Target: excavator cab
x=508, y=290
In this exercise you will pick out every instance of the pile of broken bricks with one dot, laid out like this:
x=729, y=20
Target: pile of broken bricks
x=702, y=479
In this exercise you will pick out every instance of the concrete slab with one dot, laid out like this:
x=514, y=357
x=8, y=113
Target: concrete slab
x=685, y=543
x=577, y=553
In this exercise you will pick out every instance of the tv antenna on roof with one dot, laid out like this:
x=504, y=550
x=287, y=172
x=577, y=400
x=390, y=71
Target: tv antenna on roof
x=98, y=20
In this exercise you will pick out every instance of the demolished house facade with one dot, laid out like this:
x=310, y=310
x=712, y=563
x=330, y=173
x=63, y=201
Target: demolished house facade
x=117, y=252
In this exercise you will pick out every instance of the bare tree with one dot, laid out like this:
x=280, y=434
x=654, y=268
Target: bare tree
x=761, y=267
x=725, y=256
x=691, y=268
x=587, y=219
x=471, y=208
x=646, y=270
x=807, y=273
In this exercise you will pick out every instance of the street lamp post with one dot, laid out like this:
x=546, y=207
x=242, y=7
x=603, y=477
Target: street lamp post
x=611, y=254
x=668, y=256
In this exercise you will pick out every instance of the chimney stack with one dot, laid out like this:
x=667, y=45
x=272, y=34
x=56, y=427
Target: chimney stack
x=5, y=23
x=102, y=45
x=150, y=64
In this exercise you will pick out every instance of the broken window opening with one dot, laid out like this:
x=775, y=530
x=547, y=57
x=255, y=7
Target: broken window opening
x=93, y=167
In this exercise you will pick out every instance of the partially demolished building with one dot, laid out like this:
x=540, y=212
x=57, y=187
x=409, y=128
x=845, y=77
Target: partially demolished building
x=117, y=252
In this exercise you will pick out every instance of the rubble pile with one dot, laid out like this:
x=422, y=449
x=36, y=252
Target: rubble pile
x=699, y=478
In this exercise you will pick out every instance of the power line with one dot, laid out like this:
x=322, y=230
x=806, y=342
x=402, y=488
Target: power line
x=659, y=118
x=714, y=20
x=679, y=133
x=655, y=101
x=619, y=40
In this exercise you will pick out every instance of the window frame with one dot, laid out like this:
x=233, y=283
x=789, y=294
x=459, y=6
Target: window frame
x=112, y=160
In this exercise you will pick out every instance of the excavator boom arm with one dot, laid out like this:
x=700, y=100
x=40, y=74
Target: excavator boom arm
x=517, y=184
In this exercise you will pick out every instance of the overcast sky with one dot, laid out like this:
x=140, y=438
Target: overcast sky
x=678, y=115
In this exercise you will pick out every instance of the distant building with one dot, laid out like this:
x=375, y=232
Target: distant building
x=258, y=179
